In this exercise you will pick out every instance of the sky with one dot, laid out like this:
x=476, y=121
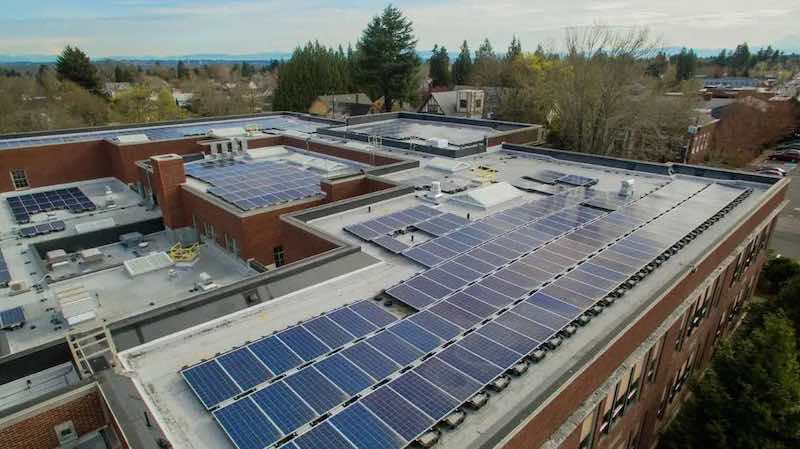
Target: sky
x=182, y=27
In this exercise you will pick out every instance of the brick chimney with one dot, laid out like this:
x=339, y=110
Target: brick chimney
x=168, y=175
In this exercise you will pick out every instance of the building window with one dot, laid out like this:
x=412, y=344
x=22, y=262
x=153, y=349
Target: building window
x=462, y=104
x=478, y=103
x=278, y=256
x=681, y=328
x=608, y=405
x=633, y=387
x=587, y=432
x=232, y=244
x=210, y=232
x=19, y=178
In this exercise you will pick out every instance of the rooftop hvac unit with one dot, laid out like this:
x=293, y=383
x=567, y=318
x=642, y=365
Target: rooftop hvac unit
x=17, y=287
x=626, y=188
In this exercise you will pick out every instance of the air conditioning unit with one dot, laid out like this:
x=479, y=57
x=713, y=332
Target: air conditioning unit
x=65, y=432
x=17, y=287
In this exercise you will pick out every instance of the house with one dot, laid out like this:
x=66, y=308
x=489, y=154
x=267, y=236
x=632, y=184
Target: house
x=341, y=105
x=182, y=99
x=455, y=103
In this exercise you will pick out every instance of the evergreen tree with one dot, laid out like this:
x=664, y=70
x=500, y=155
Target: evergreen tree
x=487, y=69
x=247, y=70
x=313, y=70
x=440, y=67
x=514, y=49
x=685, y=65
x=749, y=397
x=462, y=67
x=387, y=57
x=182, y=70
x=74, y=65
x=740, y=59
x=122, y=74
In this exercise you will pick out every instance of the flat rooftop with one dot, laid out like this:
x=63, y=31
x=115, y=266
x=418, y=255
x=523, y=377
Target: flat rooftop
x=660, y=202
x=420, y=131
x=118, y=294
x=157, y=132
x=266, y=177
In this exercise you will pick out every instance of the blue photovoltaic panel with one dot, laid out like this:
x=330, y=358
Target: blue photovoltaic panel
x=210, y=383
x=447, y=378
x=244, y=368
x=71, y=199
x=429, y=398
x=370, y=360
x=246, y=426
x=276, y=355
x=317, y=391
x=397, y=413
x=489, y=350
x=373, y=313
x=455, y=315
x=525, y=326
x=324, y=436
x=303, y=343
x=410, y=296
x=417, y=336
x=344, y=374
x=365, y=430
x=435, y=325
x=329, y=332
x=351, y=322
x=254, y=184
x=283, y=406
x=394, y=347
x=12, y=318
x=470, y=364
x=512, y=340
x=391, y=244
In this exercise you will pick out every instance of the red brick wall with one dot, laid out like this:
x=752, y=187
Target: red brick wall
x=521, y=136
x=168, y=175
x=553, y=415
x=123, y=157
x=336, y=151
x=352, y=187
x=299, y=244
x=36, y=432
x=55, y=164
x=699, y=156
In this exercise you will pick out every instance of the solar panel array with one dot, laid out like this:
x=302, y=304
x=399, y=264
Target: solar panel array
x=171, y=131
x=409, y=129
x=252, y=185
x=42, y=229
x=238, y=371
x=12, y=318
x=5, y=275
x=442, y=224
x=438, y=358
x=71, y=199
x=389, y=224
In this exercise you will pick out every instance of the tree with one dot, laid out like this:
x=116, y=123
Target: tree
x=122, y=74
x=777, y=272
x=740, y=60
x=74, y=65
x=748, y=398
x=440, y=67
x=685, y=65
x=486, y=70
x=387, y=57
x=313, y=70
x=658, y=67
x=182, y=70
x=514, y=49
x=462, y=67
x=247, y=70
x=143, y=104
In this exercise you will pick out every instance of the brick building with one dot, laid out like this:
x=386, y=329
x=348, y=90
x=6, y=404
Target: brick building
x=541, y=298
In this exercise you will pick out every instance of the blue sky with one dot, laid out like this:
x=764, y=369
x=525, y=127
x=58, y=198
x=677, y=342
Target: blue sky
x=178, y=27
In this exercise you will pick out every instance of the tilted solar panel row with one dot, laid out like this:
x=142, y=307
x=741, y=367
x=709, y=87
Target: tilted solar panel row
x=399, y=412
x=71, y=199
x=12, y=318
x=444, y=329
x=391, y=223
x=42, y=229
x=5, y=275
x=242, y=369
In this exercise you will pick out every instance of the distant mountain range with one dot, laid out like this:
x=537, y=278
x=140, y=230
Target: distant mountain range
x=790, y=44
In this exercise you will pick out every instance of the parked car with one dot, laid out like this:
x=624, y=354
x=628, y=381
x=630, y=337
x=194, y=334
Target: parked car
x=771, y=172
x=791, y=155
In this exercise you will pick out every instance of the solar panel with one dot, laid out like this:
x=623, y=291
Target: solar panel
x=276, y=355
x=303, y=343
x=328, y=332
x=365, y=430
x=12, y=318
x=255, y=184
x=464, y=368
x=246, y=425
x=26, y=205
x=283, y=406
x=210, y=383
x=323, y=436
x=377, y=229
x=5, y=274
x=399, y=414
x=351, y=322
x=391, y=244
x=577, y=180
x=244, y=368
